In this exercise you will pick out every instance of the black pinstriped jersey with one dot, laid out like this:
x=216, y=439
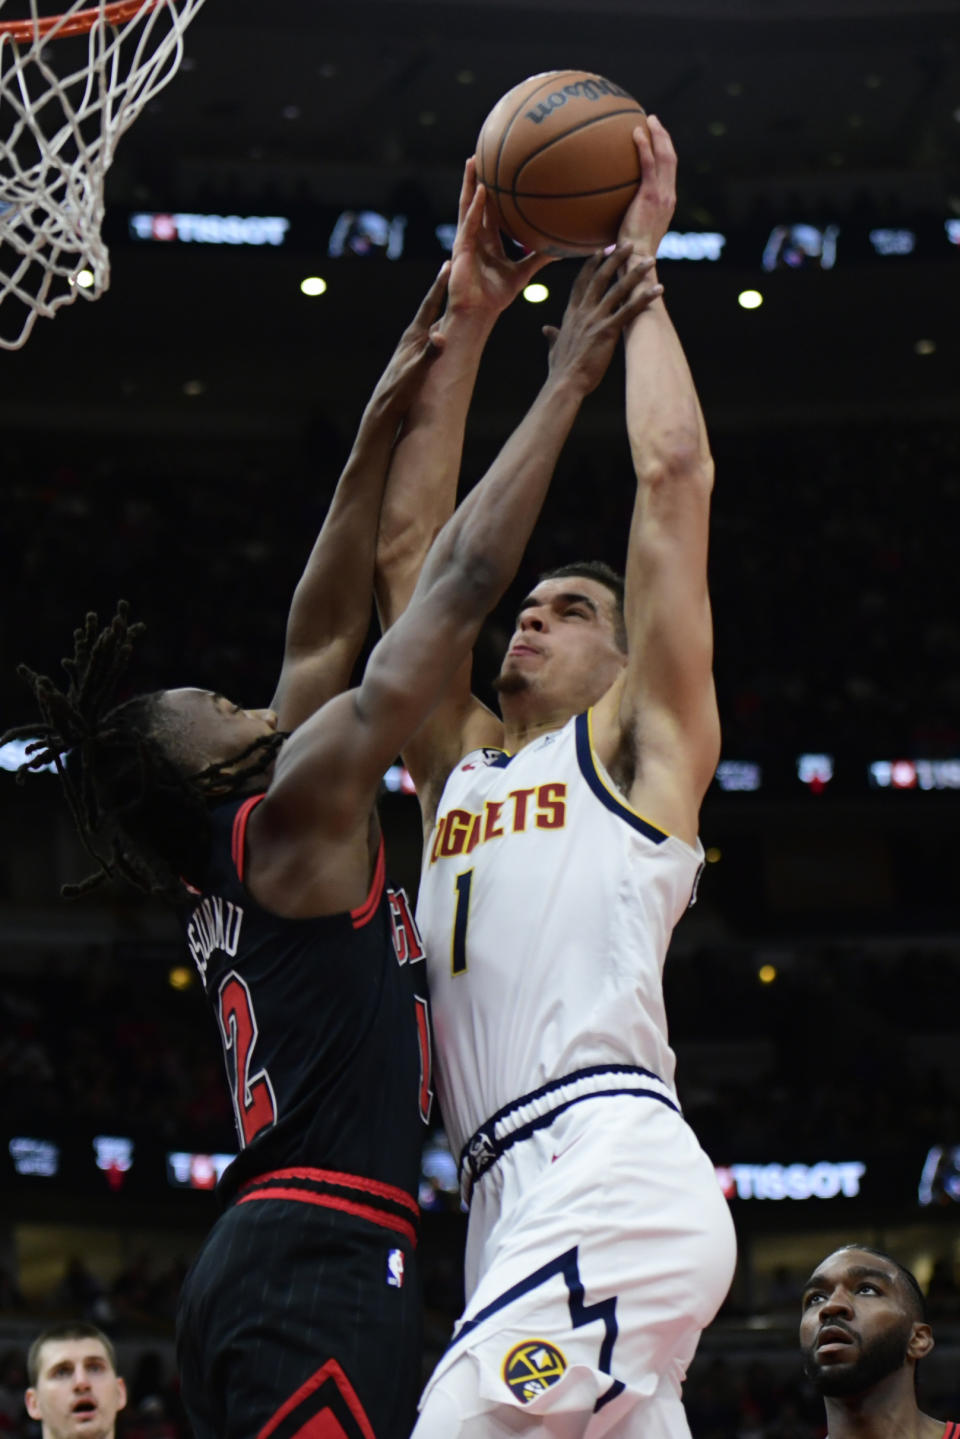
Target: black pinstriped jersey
x=325, y=1035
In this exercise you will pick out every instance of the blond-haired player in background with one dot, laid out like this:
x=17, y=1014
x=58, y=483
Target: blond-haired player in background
x=74, y=1387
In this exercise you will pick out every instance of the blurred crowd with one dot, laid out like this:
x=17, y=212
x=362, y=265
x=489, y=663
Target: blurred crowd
x=108, y=1042
x=841, y=1043
x=838, y=626
x=832, y=570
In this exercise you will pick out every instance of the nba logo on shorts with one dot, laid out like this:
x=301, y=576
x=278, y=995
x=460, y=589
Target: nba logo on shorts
x=532, y=1367
x=395, y=1269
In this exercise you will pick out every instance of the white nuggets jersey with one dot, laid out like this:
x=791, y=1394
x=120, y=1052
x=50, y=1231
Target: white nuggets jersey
x=546, y=907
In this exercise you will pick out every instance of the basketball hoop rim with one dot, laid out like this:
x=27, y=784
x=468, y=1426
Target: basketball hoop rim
x=58, y=27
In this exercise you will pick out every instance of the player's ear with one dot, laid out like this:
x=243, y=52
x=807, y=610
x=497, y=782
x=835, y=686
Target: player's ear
x=121, y=1393
x=921, y=1342
x=30, y=1400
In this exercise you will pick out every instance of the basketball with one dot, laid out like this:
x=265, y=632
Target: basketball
x=557, y=156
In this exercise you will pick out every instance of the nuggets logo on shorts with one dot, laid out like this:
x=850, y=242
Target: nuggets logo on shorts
x=531, y=1367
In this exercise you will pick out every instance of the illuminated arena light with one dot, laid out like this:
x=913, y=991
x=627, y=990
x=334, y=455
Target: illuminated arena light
x=913, y=774
x=824, y=1180
x=191, y=229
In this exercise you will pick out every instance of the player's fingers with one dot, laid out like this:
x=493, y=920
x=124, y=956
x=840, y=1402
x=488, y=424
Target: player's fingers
x=629, y=278
x=418, y=360
x=664, y=154
x=473, y=219
x=643, y=140
x=637, y=304
x=584, y=277
x=532, y=264
x=603, y=274
x=492, y=236
x=621, y=293
x=467, y=187
x=596, y=274
x=432, y=302
x=550, y=333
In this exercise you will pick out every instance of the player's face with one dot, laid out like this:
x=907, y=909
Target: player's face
x=214, y=729
x=77, y=1392
x=564, y=649
x=856, y=1327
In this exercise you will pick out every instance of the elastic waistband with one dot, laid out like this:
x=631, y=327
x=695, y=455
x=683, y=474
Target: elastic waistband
x=382, y=1204
x=539, y=1108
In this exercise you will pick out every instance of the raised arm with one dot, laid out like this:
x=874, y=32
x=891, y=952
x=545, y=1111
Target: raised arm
x=425, y=467
x=330, y=611
x=667, y=701
x=422, y=485
x=328, y=773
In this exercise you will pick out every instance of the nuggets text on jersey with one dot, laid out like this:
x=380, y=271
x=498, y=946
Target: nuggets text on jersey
x=459, y=831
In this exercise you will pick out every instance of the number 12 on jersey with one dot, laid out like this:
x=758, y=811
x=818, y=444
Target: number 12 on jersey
x=253, y=1099
x=461, y=914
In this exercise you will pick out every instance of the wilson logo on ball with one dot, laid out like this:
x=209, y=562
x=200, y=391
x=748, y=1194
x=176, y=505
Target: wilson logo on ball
x=580, y=90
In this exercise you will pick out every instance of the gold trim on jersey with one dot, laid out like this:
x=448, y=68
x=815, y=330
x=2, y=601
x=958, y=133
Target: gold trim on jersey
x=611, y=797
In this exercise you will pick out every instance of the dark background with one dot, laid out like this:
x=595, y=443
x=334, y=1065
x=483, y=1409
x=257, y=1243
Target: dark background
x=177, y=442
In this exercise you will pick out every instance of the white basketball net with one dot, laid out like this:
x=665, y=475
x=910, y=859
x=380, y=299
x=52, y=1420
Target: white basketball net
x=70, y=85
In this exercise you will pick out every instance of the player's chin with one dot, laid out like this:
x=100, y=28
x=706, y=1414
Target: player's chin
x=830, y=1377
x=511, y=682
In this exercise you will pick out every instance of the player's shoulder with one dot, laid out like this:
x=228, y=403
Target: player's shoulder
x=480, y=733
x=481, y=730
x=487, y=757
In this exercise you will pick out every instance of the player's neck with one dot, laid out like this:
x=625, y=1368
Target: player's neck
x=520, y=730
x=861, y=1419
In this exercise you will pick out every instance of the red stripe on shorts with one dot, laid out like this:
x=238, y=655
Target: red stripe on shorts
x=345, y=1181
x=334, y=1201
x=324, y=1425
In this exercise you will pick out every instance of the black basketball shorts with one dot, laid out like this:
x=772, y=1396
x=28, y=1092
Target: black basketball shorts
x=301, y=1314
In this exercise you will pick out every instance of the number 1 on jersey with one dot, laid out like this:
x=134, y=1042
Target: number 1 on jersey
x=460, y=917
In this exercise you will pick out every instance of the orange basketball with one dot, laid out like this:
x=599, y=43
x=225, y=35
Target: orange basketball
x=557, y=156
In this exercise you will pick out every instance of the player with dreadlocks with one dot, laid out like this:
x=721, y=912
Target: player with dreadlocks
x=300, y=1314
x=162, y=787
x=119, y=767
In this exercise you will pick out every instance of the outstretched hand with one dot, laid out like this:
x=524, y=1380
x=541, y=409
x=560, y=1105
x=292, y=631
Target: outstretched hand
x=482, y=276
x=601, y=304
x=648, y=218
x=416, y=350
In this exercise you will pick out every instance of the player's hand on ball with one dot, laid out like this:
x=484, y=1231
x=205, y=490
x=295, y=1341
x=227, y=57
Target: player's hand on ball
x=483, y=278
x=416, y=350
x=605, y=297
x=648, y=217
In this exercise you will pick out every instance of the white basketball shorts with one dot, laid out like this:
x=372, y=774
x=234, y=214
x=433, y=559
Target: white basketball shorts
x=598, y=1249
